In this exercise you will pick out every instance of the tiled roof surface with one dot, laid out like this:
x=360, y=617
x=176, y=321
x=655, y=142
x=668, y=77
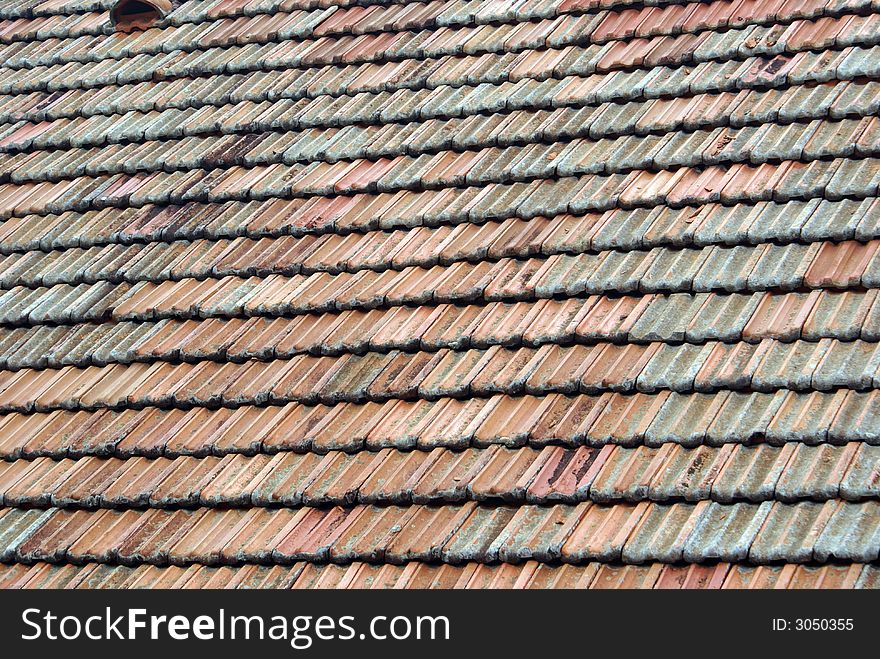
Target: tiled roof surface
x=458, y=293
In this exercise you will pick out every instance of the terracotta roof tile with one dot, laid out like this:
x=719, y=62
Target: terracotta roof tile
x=482, y=295
x=529, y=574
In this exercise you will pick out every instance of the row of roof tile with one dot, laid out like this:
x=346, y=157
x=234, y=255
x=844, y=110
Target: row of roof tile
x=614, y=109
x=767, y=367
x=412, y=81
x=417, y=575
x=730, y=269
x=671, y=472
x=721, y=147
x=627, y=420
x=345, y=139
x=358, y=17
x=740, y=183
x=29, y=9
x=426, y=247
x=238, y=238
x=679, y=317
x=635, y=533
x=648, y=441
x=454, y=12
x=364, y=38
x=426, y=95
x=319, y=17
